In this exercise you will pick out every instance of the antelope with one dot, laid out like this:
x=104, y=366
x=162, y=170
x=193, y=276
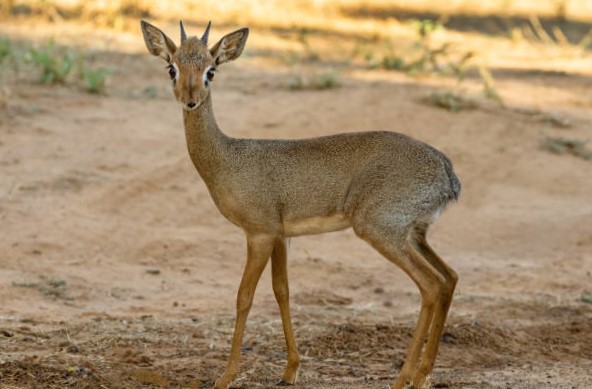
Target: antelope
x=387, y=186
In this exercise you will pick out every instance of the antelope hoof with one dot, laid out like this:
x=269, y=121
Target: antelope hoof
x=290, y=375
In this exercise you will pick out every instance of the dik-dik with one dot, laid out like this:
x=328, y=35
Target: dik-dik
x=387, y=186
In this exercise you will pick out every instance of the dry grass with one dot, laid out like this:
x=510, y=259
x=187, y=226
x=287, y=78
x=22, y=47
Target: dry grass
x=278, y=11
x=352, y=32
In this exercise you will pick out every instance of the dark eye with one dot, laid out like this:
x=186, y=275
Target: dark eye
x=210, y=74
x=172, y=71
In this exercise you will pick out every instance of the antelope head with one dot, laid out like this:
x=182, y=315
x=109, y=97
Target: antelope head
x=192, y=66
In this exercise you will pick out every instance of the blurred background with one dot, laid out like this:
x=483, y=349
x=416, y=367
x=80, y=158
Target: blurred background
x=119, y=272
x=421, y=38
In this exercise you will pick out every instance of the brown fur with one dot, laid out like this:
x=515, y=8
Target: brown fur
x=387, y=186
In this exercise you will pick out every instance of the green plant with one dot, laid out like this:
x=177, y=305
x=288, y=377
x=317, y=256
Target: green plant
x=428, y=57
x=424, y=58
x=449, y=101
x=53, y=288
x=393, y=62
x=563, y=145
x=11, y=57
x=95, y=80
x=328, y=80
x=426, y=27
x=5, y=53
x=5, y=48
x=55, y=67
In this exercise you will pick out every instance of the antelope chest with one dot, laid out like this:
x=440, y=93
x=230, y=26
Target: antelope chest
x=244, y=210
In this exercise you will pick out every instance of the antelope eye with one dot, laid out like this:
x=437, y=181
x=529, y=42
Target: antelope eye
x=210, y=74
x=172, y=71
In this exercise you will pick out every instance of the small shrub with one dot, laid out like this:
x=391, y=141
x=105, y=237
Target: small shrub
x=53, y=288
x=562, y=146
x=449, y=101
x=5, y=48
x=327, y=81
x=393, y=62
x=55, y=67
x=424, y=58
x=322, y=81
x=95, y=80
x=426, y=27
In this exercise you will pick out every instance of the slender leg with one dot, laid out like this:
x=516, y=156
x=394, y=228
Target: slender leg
x=392, y=243
x=279, y=272
x=441, y=312
x=258, y=251
x=428, y=282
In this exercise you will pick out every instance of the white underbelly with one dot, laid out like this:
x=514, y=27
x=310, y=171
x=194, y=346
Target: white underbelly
x=315, y=225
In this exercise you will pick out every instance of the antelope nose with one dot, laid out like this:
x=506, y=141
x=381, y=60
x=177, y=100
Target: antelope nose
x=191, y=105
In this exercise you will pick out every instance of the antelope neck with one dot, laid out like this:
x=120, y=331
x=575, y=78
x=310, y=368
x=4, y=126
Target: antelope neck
x=206, y=143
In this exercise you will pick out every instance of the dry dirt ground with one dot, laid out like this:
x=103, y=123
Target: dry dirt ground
x=117, y=271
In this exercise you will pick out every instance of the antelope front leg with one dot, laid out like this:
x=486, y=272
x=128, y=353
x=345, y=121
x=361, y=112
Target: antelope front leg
x=279, y=272
x=259, y=249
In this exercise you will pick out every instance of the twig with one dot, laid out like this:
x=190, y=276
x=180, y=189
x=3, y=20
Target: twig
x=540, y=30
x=560, y=36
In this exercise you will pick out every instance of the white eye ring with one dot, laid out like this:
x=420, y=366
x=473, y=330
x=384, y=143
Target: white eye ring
x=173, y=71
x=208, y=75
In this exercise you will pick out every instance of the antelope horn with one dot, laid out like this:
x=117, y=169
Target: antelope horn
x=205, y=35
x=183, y=35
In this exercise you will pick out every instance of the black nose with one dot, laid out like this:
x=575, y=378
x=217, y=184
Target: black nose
x=191, y=105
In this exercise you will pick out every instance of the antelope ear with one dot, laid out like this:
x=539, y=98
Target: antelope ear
x=230, y=47
x=157, y=42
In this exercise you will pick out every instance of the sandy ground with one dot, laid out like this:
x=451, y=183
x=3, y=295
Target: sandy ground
x=119, y=272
